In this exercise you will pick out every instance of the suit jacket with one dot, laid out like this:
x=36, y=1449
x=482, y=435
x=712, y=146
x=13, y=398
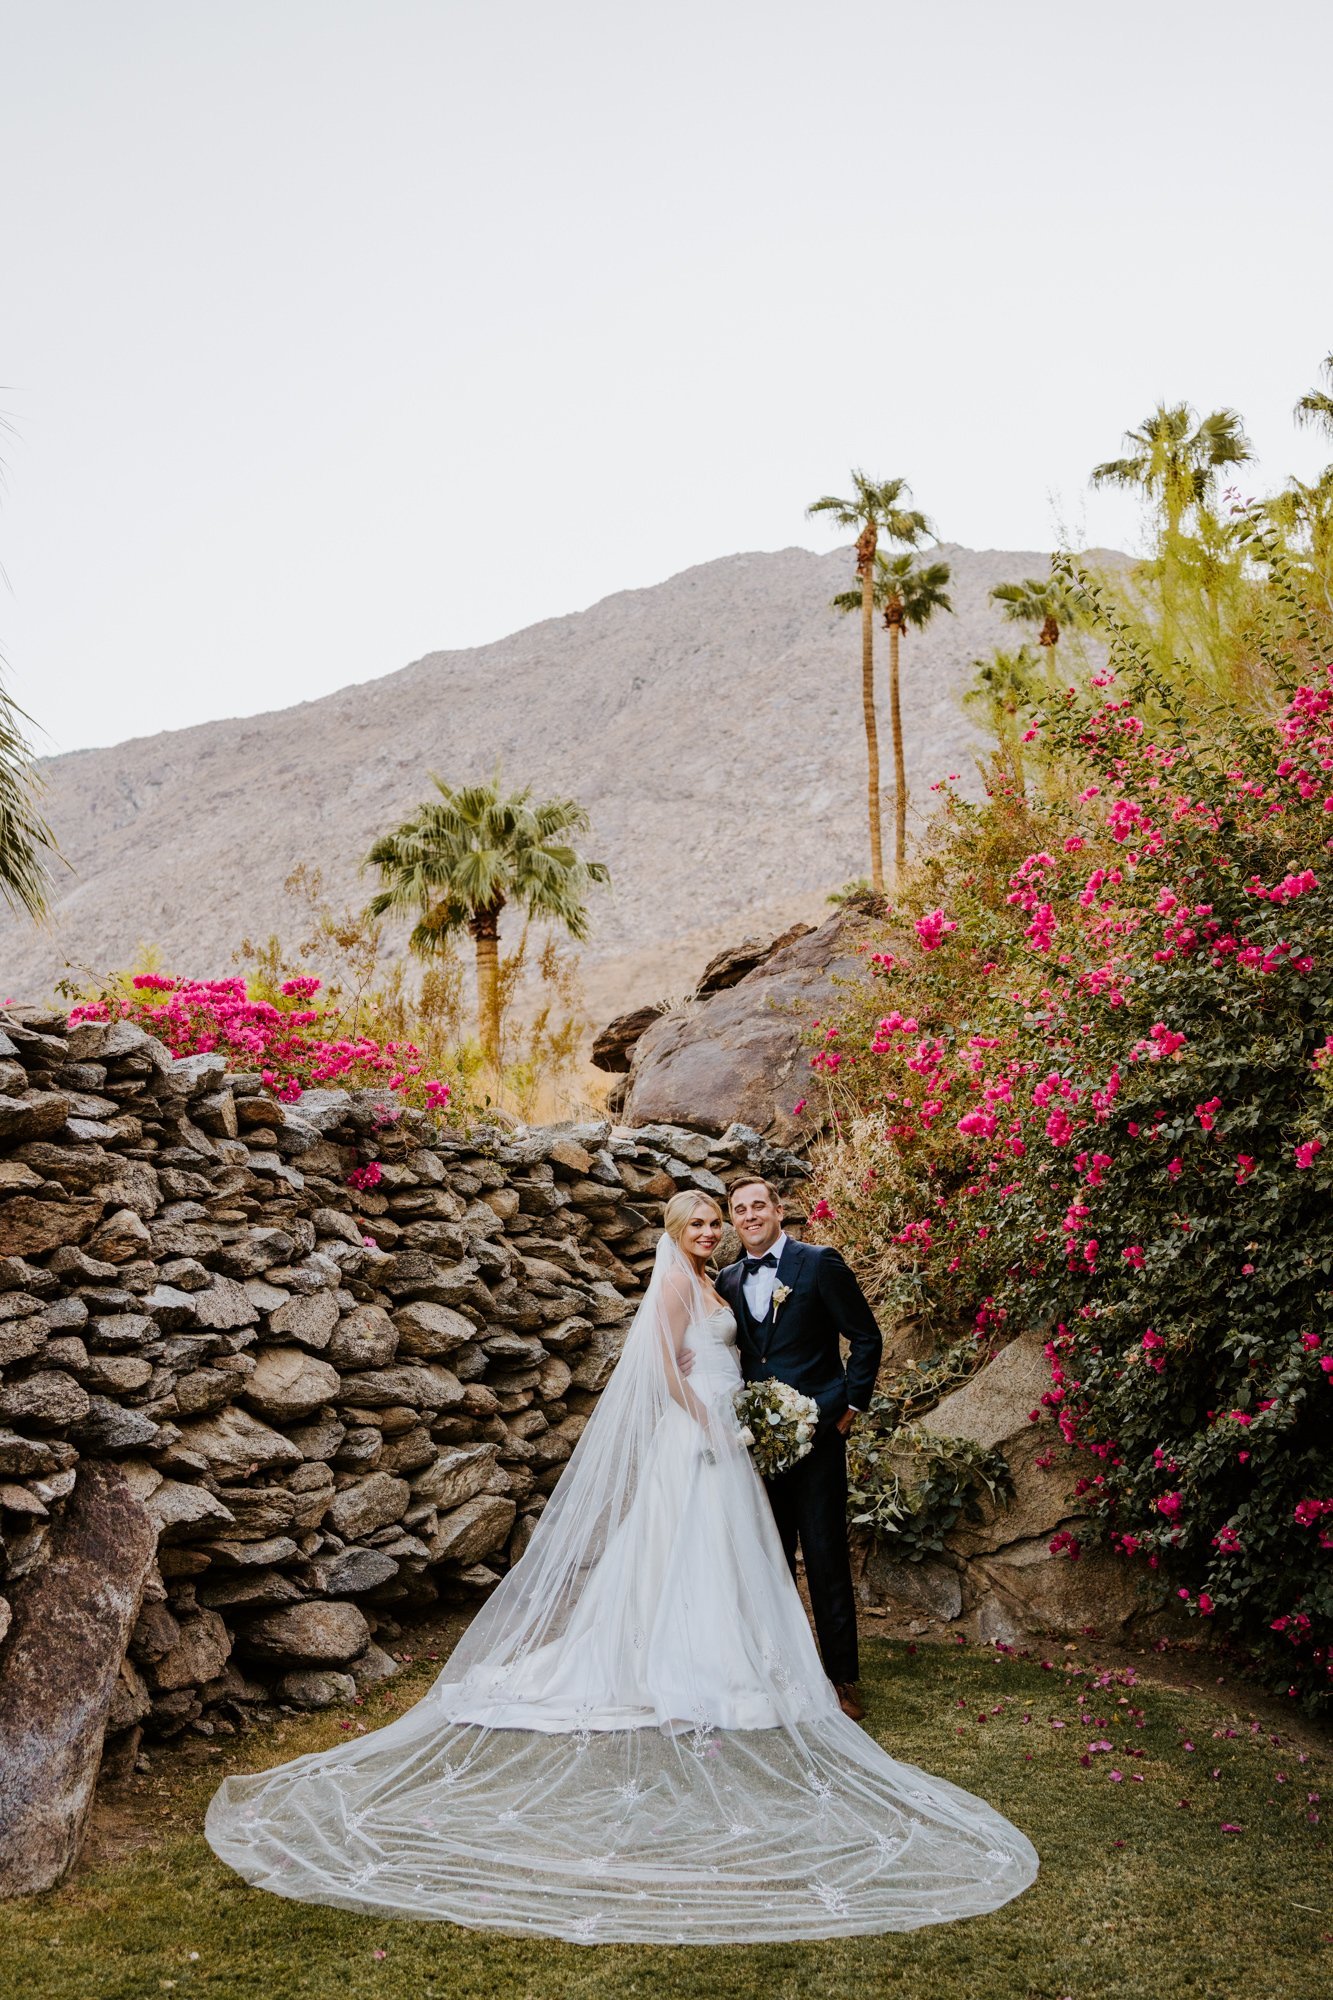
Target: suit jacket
x=801, y=1342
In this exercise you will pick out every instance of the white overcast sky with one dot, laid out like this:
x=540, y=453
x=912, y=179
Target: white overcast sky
x=336, y=332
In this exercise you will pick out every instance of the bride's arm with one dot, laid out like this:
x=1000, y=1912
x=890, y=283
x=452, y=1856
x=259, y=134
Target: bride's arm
x=672, y=1329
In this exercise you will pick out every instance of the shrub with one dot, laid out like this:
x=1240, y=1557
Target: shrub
x=293, y=1044
x=1100, y=1107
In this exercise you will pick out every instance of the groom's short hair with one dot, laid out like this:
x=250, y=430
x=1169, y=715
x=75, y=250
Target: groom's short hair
x=754, y=1180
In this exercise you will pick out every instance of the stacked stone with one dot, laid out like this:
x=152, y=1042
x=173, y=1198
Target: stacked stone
x=337, y=1402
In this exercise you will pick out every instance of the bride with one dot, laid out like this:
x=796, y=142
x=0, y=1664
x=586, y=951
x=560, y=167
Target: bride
x=634, y=1740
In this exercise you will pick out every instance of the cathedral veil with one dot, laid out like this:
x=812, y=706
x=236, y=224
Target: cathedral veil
x=634, y=1739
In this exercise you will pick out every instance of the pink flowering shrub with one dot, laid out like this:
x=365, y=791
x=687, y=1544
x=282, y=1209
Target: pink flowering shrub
x=292, y=1041
x=1102, y=1107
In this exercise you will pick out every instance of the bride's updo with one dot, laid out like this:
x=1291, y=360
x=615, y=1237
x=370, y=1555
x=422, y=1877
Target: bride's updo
x=682, y=1208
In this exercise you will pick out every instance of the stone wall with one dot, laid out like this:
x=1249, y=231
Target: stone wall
x=336, y=1402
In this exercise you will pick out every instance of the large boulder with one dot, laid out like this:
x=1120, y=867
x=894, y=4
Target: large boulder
x=614, y=1045
x=997, y=1578
x=737, y=1056
x=59, y=1672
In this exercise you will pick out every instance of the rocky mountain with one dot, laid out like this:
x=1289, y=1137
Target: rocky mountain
x=711, y=724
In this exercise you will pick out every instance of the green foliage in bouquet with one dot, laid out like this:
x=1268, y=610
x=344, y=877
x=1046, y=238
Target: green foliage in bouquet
x=781, y=1424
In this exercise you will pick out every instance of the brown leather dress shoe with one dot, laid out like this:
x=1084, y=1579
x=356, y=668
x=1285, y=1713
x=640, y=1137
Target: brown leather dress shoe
x=849, y=1701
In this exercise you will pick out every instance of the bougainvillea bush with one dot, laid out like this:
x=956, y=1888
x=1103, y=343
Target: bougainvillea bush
x=1100, y=1104
x=292, y=1040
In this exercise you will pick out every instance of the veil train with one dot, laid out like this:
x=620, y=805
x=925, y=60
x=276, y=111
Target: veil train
x=634, y=1740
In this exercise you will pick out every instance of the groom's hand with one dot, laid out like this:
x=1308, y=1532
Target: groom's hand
x=685, y=1360
x=845, y=1422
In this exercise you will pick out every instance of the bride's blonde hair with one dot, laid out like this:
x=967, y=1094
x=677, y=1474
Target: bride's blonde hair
x=682, y=1207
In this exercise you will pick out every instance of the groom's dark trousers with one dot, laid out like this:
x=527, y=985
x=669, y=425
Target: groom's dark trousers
x=801, y=1343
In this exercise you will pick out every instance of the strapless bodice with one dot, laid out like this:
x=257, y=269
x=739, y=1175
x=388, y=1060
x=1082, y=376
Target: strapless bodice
x=718, y=1325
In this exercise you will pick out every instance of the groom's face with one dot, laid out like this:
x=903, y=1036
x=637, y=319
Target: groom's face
x=757, y=1217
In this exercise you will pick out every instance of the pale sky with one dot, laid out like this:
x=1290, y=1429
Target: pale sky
x=335, y=333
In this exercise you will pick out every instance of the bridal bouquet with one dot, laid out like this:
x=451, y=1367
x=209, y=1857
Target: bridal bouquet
x=777, y=1423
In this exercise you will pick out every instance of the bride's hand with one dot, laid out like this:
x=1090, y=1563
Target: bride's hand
x=685, y=1360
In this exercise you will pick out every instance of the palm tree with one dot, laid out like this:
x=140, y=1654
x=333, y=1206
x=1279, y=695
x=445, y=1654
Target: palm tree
x=1305, y=512
x=25, y=839
x=876, y=508
x=463, y=857
x=1044, y=603
x=1175, y=458
x=908, y=597
x=1005, y=685
x=1315, y=407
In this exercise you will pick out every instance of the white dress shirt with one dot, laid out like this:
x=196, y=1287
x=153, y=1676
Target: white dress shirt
x=758, y=1285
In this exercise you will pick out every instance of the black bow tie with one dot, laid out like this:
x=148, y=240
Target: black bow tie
x=753, y=1264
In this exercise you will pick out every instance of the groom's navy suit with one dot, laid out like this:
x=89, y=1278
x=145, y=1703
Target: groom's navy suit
x=800, y=1344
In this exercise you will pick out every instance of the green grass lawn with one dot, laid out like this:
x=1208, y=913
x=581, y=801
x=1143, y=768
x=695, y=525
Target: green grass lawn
x=1142, y=1896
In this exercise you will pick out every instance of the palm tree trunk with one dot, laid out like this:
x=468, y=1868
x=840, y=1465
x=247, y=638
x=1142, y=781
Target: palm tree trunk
x=899, y=762
x=872, y=728
x=485, y=928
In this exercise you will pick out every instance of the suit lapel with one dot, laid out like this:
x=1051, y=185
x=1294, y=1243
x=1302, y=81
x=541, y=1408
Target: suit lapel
x=788, y=1264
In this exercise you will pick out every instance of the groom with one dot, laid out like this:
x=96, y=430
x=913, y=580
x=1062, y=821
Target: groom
x=794, y=1303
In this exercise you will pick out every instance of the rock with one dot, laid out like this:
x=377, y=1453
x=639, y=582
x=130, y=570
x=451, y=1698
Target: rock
x=318, y=1440
x=374, y=1502
x=931, y=1587
x=307, y=1320
x=130, y=1700
x=315, y=1687
x=122, y=1236
x=272, y=1554
x=249, y=1590
x=108, y=1428
x=33, y=1227
x=737, y=961
x=181, y=1511
x=204, y=1390
x=614, y=1045
x=592, y=1369
x=373, y=1667
x=262, y=1511
x=313, y=1634
x=365, y=1338
x=455, y=1476
x=428, y=1330
x=474, y=1530
x=23, y=1455
x=223, y=1305
x=351, y=1572
x=32, y=1114
x=994, y=1404
x=121, y=1330
x=49, y=1399
x=199, y=1654
x=20, y=1340
x=116, y=1374
x=287, y=1383
x=234, y=1441
x=737, y=1056
x=426, y=1387
x=58, y=1673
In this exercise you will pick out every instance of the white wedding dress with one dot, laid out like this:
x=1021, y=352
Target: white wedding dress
x=634, y=1740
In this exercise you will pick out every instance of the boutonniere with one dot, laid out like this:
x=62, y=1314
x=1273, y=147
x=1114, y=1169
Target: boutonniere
x=781, y=1294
